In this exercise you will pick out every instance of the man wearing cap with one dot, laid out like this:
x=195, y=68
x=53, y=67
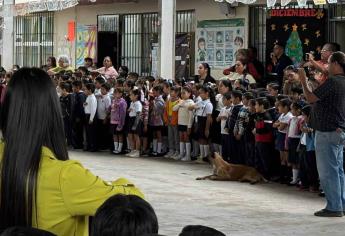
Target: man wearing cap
x=280, y=61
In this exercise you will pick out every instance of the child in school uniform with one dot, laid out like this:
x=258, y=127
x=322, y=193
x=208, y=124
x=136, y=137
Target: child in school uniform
x=241, y=127
x=308, y=169
x=66, y=105
x=293, y=139
x=156, y=120
x=135, y=123
x=222, y=118
x=117, y=119
x=170, y=120
x=78, y=115
x=103, y=105
x=234, y=144
x=90, y=107
x=249, y=137
x=185, y=122
x=194, y=136
x=204, y=111
x=264, y=137
x=282, y=126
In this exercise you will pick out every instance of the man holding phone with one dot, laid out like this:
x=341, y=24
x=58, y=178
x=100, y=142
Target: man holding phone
x=322, y=65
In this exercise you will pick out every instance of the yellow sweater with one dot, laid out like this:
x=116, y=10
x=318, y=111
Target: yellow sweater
x=67, y=194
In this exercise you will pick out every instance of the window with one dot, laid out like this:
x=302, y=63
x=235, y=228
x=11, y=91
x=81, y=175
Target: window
x=34, y=39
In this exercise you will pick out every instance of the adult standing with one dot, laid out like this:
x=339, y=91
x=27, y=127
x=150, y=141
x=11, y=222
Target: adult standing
x=108, y=70
x=328, y=120
x=204, y=77
x=40, y=186
x=280, y=61
x=322, y=65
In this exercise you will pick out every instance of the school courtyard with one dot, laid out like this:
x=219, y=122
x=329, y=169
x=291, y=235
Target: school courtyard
x=234, y=208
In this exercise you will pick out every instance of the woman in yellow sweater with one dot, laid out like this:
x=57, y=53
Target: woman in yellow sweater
x=40, y=186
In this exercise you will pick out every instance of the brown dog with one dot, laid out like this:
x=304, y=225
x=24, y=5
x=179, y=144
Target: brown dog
x=222, y=170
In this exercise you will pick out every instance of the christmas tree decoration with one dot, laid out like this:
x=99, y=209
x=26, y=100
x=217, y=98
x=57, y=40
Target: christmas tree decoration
x=273, y=27
x=286, y=27
x=304, y=27
x=318, y=34
x=294, y=47
x=306, y=42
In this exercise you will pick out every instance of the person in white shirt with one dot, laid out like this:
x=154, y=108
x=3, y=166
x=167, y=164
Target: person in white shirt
x=103, y=110
x=185, y=122
x=222, y=118
x=90, y=108
x=282, y=125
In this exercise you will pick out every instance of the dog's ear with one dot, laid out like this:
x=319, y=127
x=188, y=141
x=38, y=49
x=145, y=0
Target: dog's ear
x=213, y=154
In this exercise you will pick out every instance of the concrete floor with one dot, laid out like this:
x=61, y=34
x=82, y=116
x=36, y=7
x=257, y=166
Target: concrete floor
x=231, y=207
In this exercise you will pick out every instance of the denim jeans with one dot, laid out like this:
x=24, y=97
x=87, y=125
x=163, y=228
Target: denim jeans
x=329, y=157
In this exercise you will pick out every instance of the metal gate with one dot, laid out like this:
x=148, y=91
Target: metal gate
x=336, y=24
x=34, y=39
x=138, y=33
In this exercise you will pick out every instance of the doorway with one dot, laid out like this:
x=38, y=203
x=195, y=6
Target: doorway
x=107, y=45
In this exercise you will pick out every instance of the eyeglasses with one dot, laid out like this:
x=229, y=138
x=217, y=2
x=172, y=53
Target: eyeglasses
x=325, y=50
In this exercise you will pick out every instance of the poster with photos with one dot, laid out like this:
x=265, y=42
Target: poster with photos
x=218, y=40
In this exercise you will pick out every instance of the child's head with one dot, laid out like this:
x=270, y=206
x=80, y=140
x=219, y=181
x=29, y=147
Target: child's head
x=246, y=98
x=186, y=93
x=296, y=93
x=89, y=88
x=20, y=231
x=251, y=105
x=284, y=106
x=271, y=99
x=133, y=76
x=99, y=81
x=204, y=92
x=175, y=92
x=76, y=86
x=196, y=89
x=199, y=230
x=157, y=91
x=118, y=92
x=236, y=97
x=296, y=108
x=261, y=105
x=273, y=89
x=166, y=87
x=128, y=85
x=306, y=110
x=180, y=81
x=227, y=99
x=65, y=87
x=124, y=215
x=135, y=95
x=105, y=88
x=224, y=86
x=119, y=83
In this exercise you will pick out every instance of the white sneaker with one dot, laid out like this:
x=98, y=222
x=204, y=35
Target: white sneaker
x=176, y=156
x=130, y=153
x=185, y=158
x=116, y=152
x=135, y=154
x=200, y=160
x=169, y=154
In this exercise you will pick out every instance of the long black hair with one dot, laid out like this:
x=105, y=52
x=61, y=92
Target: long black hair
x=30, y=119
x=207, y=66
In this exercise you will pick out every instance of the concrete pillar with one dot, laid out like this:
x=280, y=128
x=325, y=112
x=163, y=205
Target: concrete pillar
x=8, y=36
x=167, y=38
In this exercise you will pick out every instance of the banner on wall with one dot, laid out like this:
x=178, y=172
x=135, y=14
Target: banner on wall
x=218, y=40
x=301, y=29
x=86, y=43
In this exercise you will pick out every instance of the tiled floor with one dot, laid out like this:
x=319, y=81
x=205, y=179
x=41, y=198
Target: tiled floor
x=232, y=207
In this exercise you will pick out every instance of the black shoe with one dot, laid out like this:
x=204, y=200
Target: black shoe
x=322, y=194
x=328, y=213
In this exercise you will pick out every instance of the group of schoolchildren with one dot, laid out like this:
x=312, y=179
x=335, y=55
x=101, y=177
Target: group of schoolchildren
x=188, y=121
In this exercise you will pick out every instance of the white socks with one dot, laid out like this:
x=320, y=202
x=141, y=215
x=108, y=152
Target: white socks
x=294, y=176
x=206, y=150
x=116, y=146
x=188, y=149
x=120, y=147
x=202, y=151
x=182, y=149
x=159, y=148
x=154, y=145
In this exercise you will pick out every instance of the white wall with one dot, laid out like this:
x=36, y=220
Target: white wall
x=87, y=15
